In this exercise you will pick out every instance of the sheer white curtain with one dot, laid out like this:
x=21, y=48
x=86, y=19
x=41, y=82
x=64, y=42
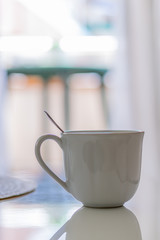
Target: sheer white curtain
x=143, y=73
x=137, y=95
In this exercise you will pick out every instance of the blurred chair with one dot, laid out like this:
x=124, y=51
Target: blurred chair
x=64, y=72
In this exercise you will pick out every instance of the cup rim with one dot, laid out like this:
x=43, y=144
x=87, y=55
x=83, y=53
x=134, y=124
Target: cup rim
x=101, y=132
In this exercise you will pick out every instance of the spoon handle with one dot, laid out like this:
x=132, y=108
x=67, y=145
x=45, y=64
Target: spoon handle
x=54, y=122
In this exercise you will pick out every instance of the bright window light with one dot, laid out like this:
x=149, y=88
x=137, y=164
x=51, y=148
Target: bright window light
x=56, y=14
x=93, y=44
x=26, y=45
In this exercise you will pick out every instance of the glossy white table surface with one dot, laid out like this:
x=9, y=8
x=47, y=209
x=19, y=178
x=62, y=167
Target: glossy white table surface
x=22, y=219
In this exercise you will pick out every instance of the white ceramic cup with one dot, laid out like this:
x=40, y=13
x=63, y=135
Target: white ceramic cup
x=102, y=168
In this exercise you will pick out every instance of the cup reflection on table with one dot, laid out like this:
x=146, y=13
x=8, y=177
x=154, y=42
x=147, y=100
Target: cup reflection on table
x=96, y=224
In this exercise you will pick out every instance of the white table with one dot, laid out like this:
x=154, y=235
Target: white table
x=66, y=219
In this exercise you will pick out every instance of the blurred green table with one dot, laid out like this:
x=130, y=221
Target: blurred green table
x=64, y=72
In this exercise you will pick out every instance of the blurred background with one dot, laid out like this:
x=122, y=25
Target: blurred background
x=61, y=57
x=92, y=65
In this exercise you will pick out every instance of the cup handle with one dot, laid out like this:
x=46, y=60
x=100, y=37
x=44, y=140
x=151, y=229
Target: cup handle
x=41, y=161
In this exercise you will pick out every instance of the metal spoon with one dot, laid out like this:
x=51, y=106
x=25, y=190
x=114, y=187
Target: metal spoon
x=54, y=122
